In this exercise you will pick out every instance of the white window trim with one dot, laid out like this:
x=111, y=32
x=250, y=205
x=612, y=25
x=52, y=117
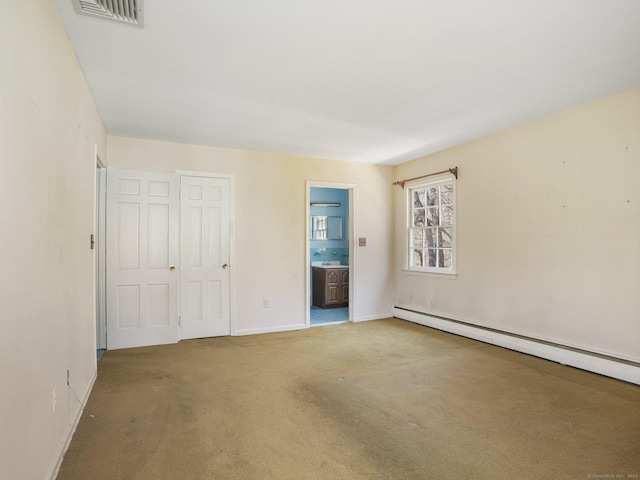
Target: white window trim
x=430, y=271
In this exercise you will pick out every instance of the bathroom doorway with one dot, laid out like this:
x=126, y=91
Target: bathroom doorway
x=330, y=273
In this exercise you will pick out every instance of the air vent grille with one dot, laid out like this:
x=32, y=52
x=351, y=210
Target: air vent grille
x=126, y=11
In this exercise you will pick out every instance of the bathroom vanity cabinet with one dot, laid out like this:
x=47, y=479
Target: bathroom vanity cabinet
x=330, y=286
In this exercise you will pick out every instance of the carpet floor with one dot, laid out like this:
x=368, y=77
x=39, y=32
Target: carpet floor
x=384, y=399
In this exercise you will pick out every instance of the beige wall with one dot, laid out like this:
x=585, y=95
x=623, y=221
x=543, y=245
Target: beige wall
x=48, y=131
x=270, y=215
x=548, y=230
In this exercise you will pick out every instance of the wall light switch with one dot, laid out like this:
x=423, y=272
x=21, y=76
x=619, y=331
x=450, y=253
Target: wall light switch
x=362, y=242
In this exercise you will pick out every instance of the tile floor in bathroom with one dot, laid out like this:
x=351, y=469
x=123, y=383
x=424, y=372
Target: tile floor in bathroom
x=322, y=316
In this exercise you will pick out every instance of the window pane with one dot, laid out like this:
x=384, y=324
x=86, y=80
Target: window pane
x=446, y=194
x=417, y=260
x=432, y=222
x=446, y=256
x=417, y=238
x=433, y=217
x=430, y=237
x=444, y=237
x=432, y=196
x=432, y=257
x=446, y=215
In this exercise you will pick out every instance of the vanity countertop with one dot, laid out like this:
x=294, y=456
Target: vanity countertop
x=325, y=265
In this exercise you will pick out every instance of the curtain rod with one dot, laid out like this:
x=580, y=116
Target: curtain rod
x=453, y=170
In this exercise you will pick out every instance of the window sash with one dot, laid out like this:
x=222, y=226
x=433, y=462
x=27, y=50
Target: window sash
x=431, y=227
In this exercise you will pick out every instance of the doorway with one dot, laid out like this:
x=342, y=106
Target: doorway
x=98, y=245
x=330, y=278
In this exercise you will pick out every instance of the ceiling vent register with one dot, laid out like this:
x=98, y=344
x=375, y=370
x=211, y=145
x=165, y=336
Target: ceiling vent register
x=125, y=11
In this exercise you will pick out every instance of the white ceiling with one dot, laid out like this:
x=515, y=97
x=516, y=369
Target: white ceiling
x=378, y=81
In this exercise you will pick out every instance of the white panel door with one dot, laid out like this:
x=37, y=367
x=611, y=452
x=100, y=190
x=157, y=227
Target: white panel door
x=142, y=256
x=204, y=257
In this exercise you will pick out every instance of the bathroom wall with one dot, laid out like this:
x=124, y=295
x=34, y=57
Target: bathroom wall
x=331, y=250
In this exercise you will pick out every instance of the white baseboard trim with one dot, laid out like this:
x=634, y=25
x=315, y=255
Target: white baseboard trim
x=72, y=429
x=366, y=318
x=592, y=362
x=282, y=328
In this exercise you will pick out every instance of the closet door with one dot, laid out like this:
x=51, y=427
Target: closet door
x=142, y=258
x=204, y=257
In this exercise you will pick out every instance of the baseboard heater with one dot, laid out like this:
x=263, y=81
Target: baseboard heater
x=593, y=362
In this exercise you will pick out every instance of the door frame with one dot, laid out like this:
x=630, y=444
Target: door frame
x=351, y=187
x=99, y=264
x=232, y=222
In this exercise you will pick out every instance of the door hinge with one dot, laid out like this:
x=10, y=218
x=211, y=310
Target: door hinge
x=180, y=320
x=92, y=241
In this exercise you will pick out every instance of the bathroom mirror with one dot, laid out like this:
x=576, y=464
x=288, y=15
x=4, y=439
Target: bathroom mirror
x=326, y=228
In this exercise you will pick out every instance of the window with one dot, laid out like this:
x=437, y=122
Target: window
x=431, y=229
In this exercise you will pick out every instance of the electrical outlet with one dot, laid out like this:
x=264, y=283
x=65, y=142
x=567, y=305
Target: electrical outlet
x=410, y=295
x=265, y=303
x=362, y=242
x=54, y=398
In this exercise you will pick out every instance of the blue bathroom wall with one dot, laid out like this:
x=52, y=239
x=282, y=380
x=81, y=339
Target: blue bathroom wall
x=331, y=250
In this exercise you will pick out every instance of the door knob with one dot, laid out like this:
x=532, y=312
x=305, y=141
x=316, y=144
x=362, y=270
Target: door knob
x=225, y=266
x=172, y=267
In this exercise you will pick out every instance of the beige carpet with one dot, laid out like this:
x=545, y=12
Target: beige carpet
x=376, y=400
